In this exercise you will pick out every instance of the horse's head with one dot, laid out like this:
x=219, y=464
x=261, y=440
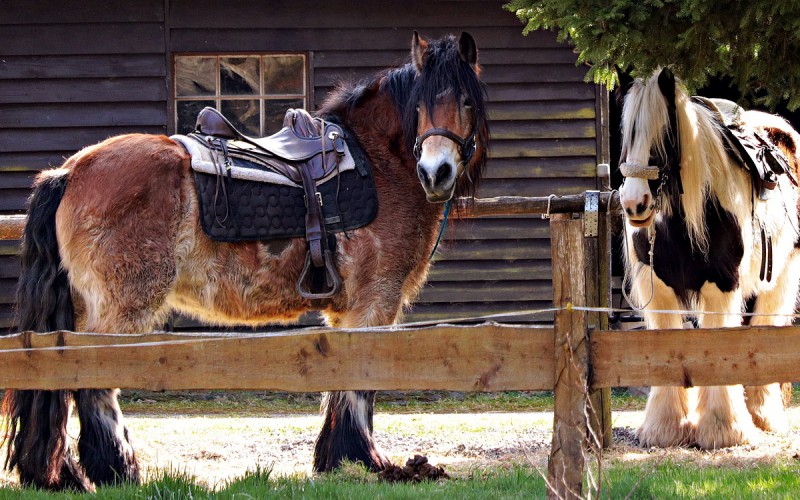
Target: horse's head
x=449, y=123
x=650, y=146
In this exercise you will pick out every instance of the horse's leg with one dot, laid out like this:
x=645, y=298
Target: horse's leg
x=347, y=430
x=723, y=419
x=105, y=449
x=667, y=419
x=129, y=305
x=118, y=227
x=765, y=402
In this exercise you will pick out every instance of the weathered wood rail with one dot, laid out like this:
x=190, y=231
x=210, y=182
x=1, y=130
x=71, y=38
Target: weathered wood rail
x=11, y=225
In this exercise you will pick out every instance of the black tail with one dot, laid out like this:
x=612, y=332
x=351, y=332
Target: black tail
x=37, y=420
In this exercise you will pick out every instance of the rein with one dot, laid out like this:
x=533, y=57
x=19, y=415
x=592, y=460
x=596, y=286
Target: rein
x=442, y=227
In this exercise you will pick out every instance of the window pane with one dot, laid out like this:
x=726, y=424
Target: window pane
x=239, y=76
x=245, y=114
x=275, y=110
x=187, y=114
x=284, y=74
x=195, y=76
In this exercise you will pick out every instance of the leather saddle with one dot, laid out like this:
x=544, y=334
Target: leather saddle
x=307, y=151
x=749, y=148
x=303, y=140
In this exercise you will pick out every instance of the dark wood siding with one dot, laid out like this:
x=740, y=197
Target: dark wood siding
x=74, y=75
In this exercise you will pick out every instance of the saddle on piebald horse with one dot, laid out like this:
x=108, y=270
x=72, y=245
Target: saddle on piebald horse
x=310, y=179
x=747, y=147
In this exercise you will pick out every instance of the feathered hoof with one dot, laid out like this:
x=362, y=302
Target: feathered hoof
x=665, y=433
x=776, y=422
x=713, y=432
x=69, y=477
x=373, y=459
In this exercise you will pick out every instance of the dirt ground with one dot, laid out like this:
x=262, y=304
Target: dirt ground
x=216, y=449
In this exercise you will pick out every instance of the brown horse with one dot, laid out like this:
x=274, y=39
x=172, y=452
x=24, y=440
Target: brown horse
x=113, y=244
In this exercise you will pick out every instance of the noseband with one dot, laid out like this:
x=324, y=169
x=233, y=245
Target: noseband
x=637, y=171
x=466, y=147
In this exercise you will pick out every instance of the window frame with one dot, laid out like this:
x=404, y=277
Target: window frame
x=218, y=97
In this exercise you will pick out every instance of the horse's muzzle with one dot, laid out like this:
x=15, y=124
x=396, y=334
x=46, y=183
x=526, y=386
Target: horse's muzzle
x=439, y=183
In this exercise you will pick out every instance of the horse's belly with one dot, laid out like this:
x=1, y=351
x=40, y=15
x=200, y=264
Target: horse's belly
x=239, y=283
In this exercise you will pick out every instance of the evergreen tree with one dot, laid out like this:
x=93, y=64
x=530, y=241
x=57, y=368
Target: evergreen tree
x=754, y=44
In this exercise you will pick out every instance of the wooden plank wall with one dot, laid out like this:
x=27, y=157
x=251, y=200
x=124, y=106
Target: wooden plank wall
x=71, y=74
x=102, y=70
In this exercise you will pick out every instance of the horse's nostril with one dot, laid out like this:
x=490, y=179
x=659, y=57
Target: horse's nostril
x=629, y=211
x=423, y=177
x=642, y=207
x=443, y=173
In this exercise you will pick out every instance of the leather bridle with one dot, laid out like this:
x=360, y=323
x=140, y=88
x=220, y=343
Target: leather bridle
x=466, y=146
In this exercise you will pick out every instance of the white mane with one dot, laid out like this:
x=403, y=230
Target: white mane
x=704, y=170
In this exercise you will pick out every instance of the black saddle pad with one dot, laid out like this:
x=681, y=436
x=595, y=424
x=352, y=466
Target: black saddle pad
x=252, y=211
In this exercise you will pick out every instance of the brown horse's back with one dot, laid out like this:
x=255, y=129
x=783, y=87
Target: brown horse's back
x=117, y=226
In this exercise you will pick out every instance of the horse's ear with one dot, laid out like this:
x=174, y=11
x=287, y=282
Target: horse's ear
x=666, y=82
x=625, y=84
x=418, y=46
x=467, y=49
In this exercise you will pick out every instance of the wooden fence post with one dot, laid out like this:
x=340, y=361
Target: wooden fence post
x=597, y=248
x=566, y=463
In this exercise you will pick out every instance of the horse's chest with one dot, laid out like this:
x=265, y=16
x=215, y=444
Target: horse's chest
x=686, y=269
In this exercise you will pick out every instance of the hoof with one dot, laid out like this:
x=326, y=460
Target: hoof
x=372, y=459
x=70, y=478
x=772, y=423
x=714, y=432
x=665, y=433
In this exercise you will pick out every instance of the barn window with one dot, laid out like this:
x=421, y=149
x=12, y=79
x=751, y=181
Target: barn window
x=253, y=91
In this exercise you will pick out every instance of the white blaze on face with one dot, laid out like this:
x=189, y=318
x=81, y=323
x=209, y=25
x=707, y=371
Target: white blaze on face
x=637, y=200
x=438, y=166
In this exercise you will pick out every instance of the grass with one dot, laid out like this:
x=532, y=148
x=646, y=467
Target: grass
x=653, y=478
x=257, y=403
x=666, y=480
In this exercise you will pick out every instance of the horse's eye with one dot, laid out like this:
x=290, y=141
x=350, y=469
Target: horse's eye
x=466, y=102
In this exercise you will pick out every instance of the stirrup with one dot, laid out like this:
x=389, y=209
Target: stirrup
x=332, y=279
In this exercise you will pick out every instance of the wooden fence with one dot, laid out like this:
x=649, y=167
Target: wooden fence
x=575, y=358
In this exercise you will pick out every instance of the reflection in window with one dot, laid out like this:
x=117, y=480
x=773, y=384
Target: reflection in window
x=253, y=91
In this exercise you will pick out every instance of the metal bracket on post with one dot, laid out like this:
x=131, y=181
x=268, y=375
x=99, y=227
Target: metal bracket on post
x=590, y=213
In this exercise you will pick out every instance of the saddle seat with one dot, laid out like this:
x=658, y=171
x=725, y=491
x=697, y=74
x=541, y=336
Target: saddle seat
x=302, y=140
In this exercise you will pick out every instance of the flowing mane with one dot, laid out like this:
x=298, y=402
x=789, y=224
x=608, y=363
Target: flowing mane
x=704, y=164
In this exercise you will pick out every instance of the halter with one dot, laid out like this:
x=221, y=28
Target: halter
x=466, y=146
x=656, y=173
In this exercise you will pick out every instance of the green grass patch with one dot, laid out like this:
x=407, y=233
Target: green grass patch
x=665, y=480
x=250, y=403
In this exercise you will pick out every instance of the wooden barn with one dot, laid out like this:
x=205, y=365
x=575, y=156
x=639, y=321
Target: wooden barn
x=75, y=72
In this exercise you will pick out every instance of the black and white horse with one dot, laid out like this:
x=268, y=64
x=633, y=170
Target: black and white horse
x=686, y=200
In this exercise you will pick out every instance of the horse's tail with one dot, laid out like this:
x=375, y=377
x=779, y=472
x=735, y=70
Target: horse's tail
x=37, y=420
